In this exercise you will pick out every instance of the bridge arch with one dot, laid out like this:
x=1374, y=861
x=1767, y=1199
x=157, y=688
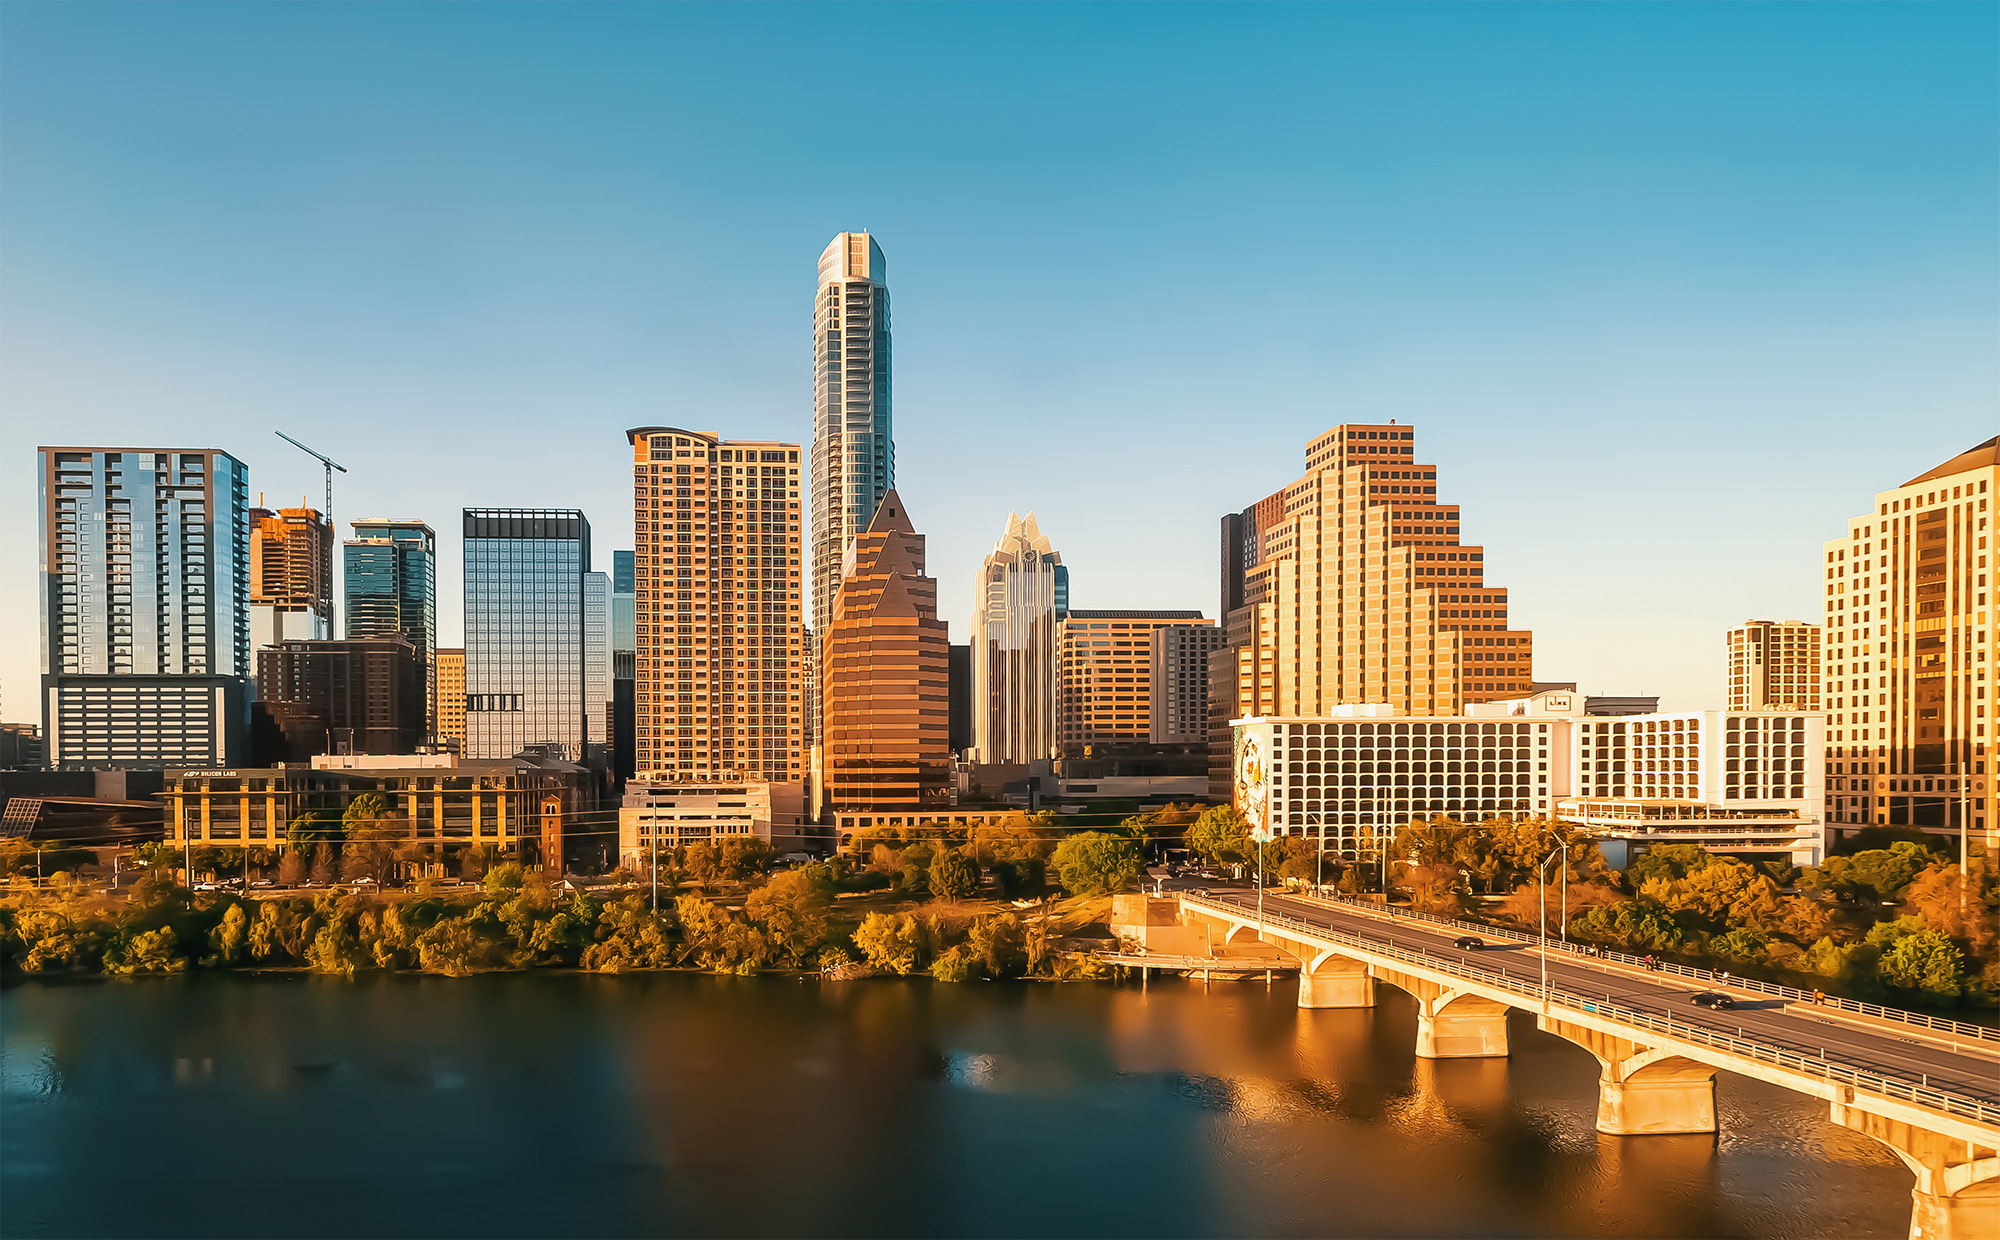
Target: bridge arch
x=1643, y=1091
x=1328, y=979
x=1956, y=1195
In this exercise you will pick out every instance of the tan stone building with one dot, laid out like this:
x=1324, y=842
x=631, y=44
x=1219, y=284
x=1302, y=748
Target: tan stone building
x=1909, y=656
x=663, y=816
x=1106, y=687
x=451, y=698
x=1350, y=586
x=885, y=675
x=719, y=679
x=1774, y=665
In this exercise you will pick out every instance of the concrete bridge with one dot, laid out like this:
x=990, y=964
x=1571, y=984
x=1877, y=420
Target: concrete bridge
x=1933, y=1099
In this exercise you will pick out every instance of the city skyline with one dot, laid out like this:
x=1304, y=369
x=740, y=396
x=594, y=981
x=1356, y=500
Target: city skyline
x=1569, y=321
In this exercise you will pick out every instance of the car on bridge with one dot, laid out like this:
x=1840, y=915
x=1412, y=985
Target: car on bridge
x=1470, y=942
x=1712, y=999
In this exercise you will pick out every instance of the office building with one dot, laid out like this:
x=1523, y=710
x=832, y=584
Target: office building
x=1350, y=586
x=364, y=695
x=1107, y=685
x=449, y=708
x=597, y=662
x=291, y=576
x=1909, y=655
x=656, y=817
x=884, y=674
x=1730, y=781
x=1178, y=714
x=1022, y=596
x=853, y=448
x=719, y=608
x=524, y=632
x=145, y=606
x=624, y=662
x=20, y=747
x=958, y=678
x=389, y=588
x=1774, y=665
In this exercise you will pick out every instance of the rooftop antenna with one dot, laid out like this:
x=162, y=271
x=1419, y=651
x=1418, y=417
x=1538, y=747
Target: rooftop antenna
x=328, y=462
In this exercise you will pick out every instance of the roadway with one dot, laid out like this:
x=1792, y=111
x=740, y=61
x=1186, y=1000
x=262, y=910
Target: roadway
x=1771, y=1020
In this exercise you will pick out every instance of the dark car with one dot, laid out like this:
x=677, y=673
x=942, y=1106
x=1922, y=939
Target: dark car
x=1712, y=999
x=1470, y=942
x=1201, y=891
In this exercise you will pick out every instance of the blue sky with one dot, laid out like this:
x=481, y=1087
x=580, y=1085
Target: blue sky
x=1669, y=291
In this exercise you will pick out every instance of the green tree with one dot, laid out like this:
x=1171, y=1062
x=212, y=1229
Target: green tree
x=1667, y=861
x=742, y=857
x=955, y=965
x=894, y=942
x=1095, y=863
x=1925, y=961
x=1873, y=876
x=1218, y=833
x=952, y=876
x=999, y=944
x=308, y=831
x=231, y=937
x=791, y=909
x=150, y=951
x=631, y=936
x=452, y=947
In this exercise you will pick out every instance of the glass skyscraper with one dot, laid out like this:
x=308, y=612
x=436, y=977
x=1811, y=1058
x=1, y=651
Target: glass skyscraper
x=145, y=606
x=389, y=588
x=853, y=448
x=597, y=660
x=525, y=631
x=1023, y=595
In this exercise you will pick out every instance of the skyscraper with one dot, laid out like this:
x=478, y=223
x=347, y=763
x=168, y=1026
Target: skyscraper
x=1350, y=586
x=597, y=660
x=362, y=695
x=449, y=706
x=291, y=576
x=145, y=589
x=854, y=449
x=1774, y=666
x=524, y=631
x=1106, y=660
x=1179, y=658
x=886, y=742
x=389, y=579
x=624, y=662
x=1023, y=593
x=1909, y=656
x=719, y=678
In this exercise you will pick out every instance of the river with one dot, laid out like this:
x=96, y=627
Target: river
x=680, y=1105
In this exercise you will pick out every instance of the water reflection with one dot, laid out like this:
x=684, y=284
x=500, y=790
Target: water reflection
x=677, y=1105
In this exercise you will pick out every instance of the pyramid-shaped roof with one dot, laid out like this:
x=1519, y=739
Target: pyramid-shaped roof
x=890, y=516
x=1981, y=457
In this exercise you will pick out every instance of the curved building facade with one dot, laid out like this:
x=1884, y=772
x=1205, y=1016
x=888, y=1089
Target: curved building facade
x=1023, y=594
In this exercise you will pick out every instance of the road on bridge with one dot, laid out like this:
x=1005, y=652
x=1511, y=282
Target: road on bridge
x=1886, y=1052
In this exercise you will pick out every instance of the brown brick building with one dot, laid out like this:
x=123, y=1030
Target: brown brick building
x=360, y=696
x=885, y=675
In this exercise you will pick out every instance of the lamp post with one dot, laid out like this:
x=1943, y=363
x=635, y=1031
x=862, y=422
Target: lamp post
x=1258, y=836
x=1542, y=923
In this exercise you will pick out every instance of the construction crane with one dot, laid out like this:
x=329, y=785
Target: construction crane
x=330, y=464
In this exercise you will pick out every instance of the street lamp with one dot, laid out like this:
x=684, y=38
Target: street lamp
x=1542, y=923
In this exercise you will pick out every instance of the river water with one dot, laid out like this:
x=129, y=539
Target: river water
x=680, y=1105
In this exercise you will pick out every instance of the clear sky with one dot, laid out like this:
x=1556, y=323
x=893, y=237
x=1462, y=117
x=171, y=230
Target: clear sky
x=1668, y=291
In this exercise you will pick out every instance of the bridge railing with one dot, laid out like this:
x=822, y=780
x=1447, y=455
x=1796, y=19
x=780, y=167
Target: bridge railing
x=1921, y=1093
x=1957, y=1028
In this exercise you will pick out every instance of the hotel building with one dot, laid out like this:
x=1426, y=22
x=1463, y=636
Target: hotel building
x=389, y=587
x=524, y=631
x=1110, y=688
x=1909, y=656
x=1023, y=595
x=719, y=678
x=1350, y=586
x=886, y=745
x=1774, y=665
x=144, y=596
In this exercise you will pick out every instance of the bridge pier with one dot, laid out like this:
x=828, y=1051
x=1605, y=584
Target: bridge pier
x=1643, y=1092
x=1957, y=1193
x=1461, y=1026
x=1334, y=981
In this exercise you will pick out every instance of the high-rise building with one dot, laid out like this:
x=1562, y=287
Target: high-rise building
x=597, y=660
x=389, y=584
x=1909, y=653
x=624, y=662
x=363, y=695
x=1107, y=681
x=1023, y=594
x=720, y=628
x=145, y=606
x=1179, y=659
x=1774, y=665
x=885, y=676
x=291, y=576
x=1350, y=586
x=449, y=707
x=853, y=449
x=524, y=631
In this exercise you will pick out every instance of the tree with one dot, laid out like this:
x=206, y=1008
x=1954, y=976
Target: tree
x=452, y=947
x=632, y=936
x=230, y=938
x=1870, y=877
x=1301, y=858
x=792, y=909
x=895, y=942
x=322, y=864
x=1095, y=863
x=955, y=965
x=291, y=869
x=1965, y=913
x=1720, y=895
x=997, y=942
x=152, y=951
x=1218, y=833
x=311, y=829
x=915, y=878
x=704, y=862
x=1924, y=961
x=1669, y=861
x=952, y=876
x=742, y=856
x=371, y=846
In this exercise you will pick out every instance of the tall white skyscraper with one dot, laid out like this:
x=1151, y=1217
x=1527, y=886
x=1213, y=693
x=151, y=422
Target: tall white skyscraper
x=853, y=449
x=1023, y=594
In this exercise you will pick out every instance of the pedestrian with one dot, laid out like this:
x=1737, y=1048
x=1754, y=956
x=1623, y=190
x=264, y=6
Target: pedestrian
x=1725, y=977
x=1819, y=996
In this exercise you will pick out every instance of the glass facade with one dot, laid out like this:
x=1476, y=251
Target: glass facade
x=524, y=631
x=145, y=618
x=854, y=449
x=389, y=584
x=1014, y=663
x=597, y=656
